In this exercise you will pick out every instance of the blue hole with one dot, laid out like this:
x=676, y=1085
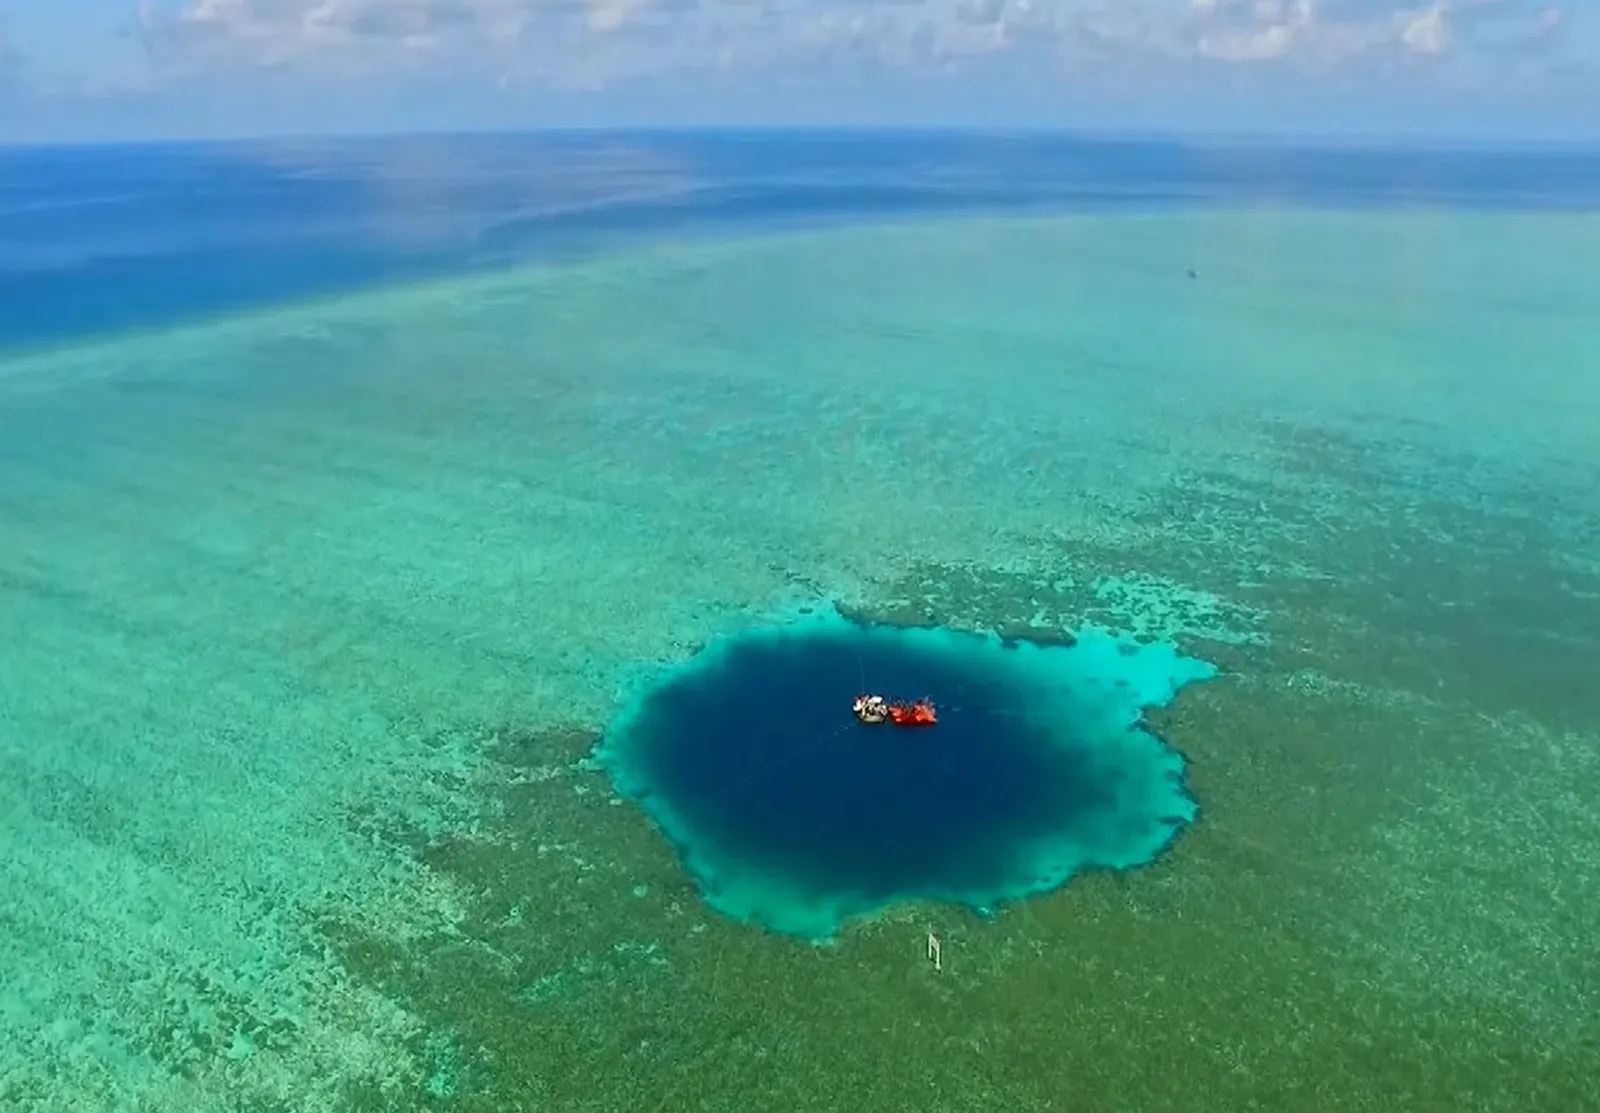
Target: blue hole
x=791, y=814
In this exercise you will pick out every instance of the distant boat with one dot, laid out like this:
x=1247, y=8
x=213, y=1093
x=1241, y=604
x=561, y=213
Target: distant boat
x=874, y=710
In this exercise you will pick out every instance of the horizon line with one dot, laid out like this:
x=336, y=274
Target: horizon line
x=1332, y=143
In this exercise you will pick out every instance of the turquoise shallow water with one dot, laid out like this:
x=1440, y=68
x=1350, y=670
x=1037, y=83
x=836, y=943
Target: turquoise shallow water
x=315, y=613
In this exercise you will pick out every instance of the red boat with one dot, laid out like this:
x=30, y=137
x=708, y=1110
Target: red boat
x=875, y=709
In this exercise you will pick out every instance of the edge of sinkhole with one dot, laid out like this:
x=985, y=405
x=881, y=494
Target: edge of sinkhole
x=1039, y=655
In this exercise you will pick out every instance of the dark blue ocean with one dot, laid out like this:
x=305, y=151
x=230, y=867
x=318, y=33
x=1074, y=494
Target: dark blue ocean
x=101, y=239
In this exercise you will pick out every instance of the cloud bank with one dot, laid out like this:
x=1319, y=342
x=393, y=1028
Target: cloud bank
x=595, y=41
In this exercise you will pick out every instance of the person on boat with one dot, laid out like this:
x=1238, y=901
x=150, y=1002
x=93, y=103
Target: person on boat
x=871, y=709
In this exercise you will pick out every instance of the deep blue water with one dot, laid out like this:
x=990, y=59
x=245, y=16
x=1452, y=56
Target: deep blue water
x=791, y=814
x=107, y=238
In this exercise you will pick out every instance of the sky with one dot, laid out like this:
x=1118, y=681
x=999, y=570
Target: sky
x=1448, y=70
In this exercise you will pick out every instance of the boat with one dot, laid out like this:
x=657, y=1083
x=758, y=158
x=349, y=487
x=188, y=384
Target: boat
x=873, y=710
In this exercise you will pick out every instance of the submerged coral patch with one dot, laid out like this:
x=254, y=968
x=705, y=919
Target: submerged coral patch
x=790, y=813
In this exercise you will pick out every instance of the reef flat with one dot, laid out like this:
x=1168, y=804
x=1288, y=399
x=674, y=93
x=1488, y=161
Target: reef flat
x=315, y=617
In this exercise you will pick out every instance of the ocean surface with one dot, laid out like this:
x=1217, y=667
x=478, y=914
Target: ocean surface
x=348, y=490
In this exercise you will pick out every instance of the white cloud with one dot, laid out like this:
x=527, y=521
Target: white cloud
x=594, y=40
x=1270, y=30
x=282, y=32
x=1427, y=31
